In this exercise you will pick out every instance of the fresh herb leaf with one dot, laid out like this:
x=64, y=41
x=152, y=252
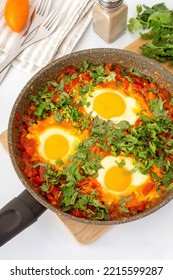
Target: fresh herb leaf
x=45, y=187
x=121, y=163
x=170, y=187
x=70, y=194
x=157, y=107
x=122, y=203
x=134, y=25
x=136, y=73
x=158, y=20
x=43, y=102
x=154, y=90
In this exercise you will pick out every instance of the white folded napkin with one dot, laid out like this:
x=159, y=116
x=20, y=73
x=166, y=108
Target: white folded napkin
x=75, y=17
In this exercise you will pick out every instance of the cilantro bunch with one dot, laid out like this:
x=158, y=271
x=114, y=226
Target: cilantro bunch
x=158, y=20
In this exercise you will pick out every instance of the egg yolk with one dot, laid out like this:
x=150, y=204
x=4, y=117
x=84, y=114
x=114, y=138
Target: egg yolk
x=56, y=147
x=109, y=105
x=117, y=179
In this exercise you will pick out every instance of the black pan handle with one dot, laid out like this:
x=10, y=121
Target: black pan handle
x=18, y=214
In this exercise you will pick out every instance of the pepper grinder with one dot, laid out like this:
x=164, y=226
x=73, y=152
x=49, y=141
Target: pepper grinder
x=110, y=19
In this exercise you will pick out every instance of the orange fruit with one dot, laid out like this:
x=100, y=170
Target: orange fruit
x=16, y=14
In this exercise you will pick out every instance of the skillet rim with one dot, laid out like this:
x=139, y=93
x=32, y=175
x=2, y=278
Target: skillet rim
x=75, y=56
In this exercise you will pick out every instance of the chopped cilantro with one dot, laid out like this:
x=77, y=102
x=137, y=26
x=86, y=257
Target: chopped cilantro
x=74, y=200
x=44, y=103
x=122, y=202
x=170, y=187
x=121, y=163
x=157, y=107
x=158, y=20
x=154, y=90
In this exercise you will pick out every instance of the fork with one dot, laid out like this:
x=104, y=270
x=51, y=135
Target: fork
x=47, y=27
x=37, y=17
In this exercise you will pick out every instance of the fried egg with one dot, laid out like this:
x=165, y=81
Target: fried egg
x=56, y=143
x=111, y=104
x=119, y=181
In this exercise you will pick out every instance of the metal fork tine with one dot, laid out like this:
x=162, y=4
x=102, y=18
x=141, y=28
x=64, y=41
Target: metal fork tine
x=49, y=18
x=47, y=9
x=38, y=6
x=42, y=8
x=53, y=18
x=54, y=22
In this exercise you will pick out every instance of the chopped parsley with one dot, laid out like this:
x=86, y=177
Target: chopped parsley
x=158, y=20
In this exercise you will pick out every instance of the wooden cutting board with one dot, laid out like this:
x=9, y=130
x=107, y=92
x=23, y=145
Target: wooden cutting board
x=134, y=47
x=85, y=233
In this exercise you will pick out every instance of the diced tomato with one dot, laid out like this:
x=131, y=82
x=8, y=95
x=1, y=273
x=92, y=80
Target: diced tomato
x=139, y=81
x=150, y=95
x=86, y=77
x=30, y=172
x=67, y=87
x=37, y=180
x=27, y=123
x=50, y=197
x=17, y=116
x=41, y=172
x=117, y=70
x=26, y=144
x=141, y=206
x=30, y=150
x=75, y=82
x=77, y=213
x=152, y=85
x=137, y=88
x=125, y=83
x=56, y=94
x=21, y=141
x=107, y=68
x=132, y=203
x=118, y=77
x=16, y=125
x=52, y=190
x=148, y=188
x=70, y=70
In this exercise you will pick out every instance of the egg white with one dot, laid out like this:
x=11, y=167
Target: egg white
x=72, y=141
x=130, y=113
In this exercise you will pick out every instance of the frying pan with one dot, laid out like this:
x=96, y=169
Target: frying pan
x=23, y=210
